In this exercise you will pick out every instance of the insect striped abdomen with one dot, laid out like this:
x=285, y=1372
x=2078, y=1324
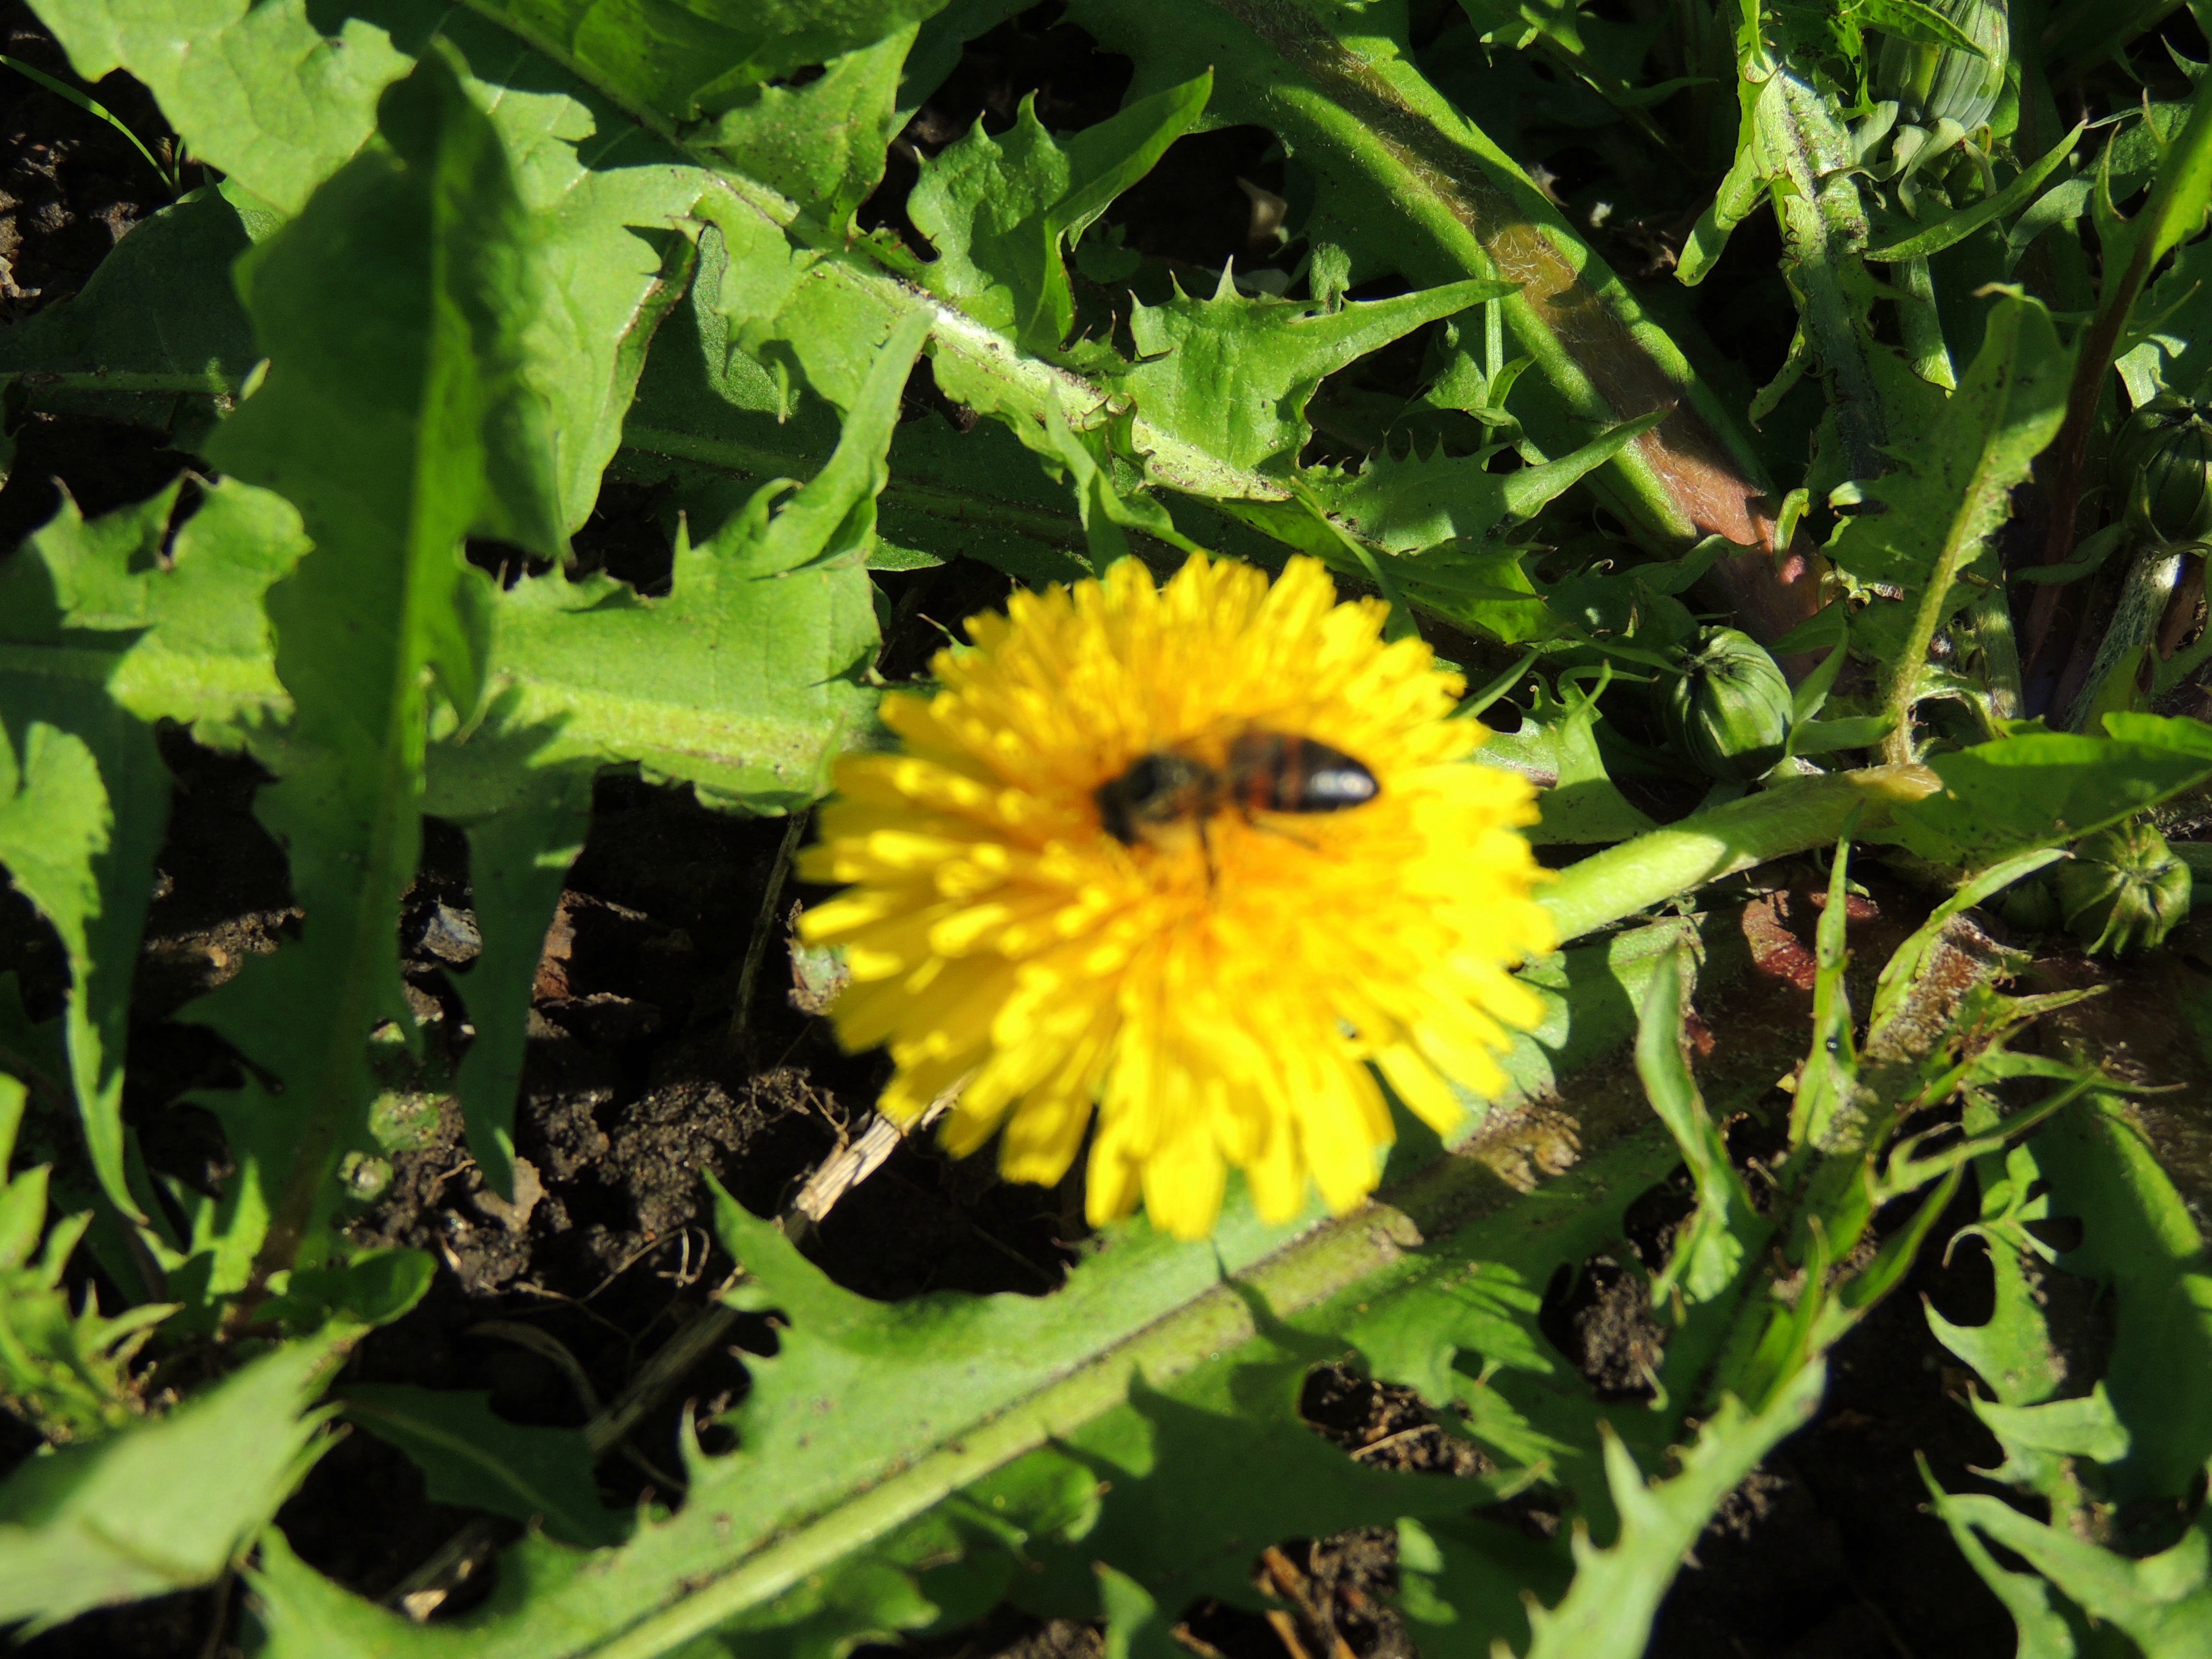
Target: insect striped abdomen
x=1278, y=772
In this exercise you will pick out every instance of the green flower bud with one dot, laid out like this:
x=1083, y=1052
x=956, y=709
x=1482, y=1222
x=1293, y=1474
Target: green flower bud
x=2161, y=467
x=2124, y=890
x=1943, y=83
x=1730, y=711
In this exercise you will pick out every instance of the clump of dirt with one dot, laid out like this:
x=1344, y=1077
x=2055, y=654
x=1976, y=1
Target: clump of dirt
x=1384, y=1425
x=1333, y=1596
x=1600, y=1319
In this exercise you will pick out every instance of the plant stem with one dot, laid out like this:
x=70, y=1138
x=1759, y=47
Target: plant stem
x=1612, y=885
x=2112, y=679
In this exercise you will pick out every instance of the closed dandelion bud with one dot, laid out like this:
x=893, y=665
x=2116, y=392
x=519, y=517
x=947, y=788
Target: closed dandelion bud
x=1730, y=710
x=2162, y=468
x=2124, y=890
x=1944, y=83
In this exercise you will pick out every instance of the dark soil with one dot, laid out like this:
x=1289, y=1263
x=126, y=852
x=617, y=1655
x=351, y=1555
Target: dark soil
x=71, y=186
x=635, y=1086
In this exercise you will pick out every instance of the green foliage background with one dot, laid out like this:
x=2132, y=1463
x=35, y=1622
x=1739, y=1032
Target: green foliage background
x=463, y=265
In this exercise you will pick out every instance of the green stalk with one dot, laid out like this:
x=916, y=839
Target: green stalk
x=1961, y=540
x=1614, y=884
x=2113, y=682
x=1824, y=234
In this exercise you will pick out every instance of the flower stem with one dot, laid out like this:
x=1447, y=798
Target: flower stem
x=1609, y=886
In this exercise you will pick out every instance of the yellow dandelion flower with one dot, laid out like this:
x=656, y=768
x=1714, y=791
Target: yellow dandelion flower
x=1220, y=982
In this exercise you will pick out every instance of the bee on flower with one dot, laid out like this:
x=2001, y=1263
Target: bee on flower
x=1204, y=861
